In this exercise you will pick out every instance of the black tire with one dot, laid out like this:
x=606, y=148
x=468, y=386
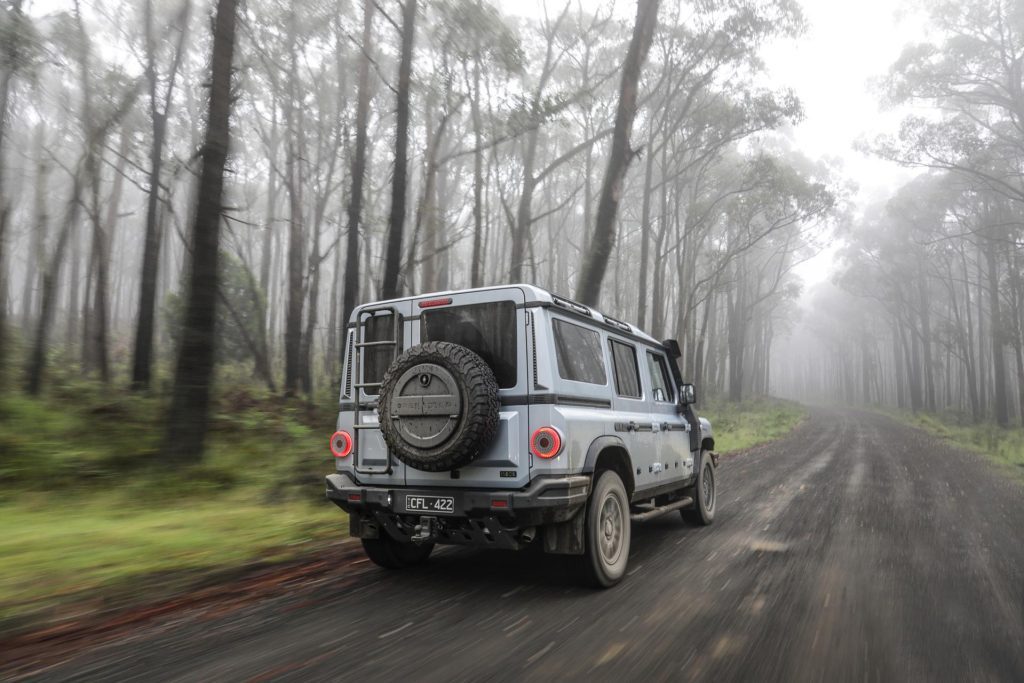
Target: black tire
x=447, y=441
x=704, y=492
x=606, y=532
x=391, y=554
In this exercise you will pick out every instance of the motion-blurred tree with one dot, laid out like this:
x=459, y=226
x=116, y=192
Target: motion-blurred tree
x=188, y=415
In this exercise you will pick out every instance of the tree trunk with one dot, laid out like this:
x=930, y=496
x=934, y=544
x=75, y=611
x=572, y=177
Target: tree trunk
x=1001, y=407
x=11, y=58
x=331, y=352
x=188, y=417
x=476, y=267
x=737, y=334
x=306, y=359
x=393, y=249
x=355, y=200
x=296, y=230
x=48, y=297
x=103, y=238
x=37, y=257
x=645, y=236
x=524, y=213
x=142, y=357
x=588, y=290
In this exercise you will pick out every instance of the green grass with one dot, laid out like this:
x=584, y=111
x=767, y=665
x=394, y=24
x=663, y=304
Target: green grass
x=738, y=426
x=1003, y=446
x=88, y=508
x=54, y=550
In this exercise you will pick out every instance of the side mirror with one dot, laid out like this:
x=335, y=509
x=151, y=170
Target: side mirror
x=687, y=394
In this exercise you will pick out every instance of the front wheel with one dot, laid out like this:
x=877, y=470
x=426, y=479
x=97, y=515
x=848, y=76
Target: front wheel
x=705, y=495
x=606, y=532
x=391, y=554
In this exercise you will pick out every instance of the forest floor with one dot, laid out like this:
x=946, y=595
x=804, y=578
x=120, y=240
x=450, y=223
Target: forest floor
x=1003, y=446
x=91, y=520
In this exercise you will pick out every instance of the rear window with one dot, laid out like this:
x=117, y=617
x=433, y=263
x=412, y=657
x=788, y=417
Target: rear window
x=627, y=377
x=578, y=351
x=489, y=330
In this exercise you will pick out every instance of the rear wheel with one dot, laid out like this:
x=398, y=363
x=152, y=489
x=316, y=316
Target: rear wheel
x=391, y=554
x=606, y=532
x=705, y=493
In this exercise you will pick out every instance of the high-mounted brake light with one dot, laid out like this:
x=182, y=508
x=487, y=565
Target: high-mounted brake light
x=341, y=444
x=431, y=303
x=546, y=442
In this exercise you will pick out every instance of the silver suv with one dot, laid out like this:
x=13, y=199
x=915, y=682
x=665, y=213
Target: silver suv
x=504, y=416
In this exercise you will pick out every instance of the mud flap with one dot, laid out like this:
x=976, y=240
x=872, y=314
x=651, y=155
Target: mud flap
x=565, y=538
x=362, y=526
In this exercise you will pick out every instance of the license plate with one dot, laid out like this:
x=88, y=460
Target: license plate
x=435, y=504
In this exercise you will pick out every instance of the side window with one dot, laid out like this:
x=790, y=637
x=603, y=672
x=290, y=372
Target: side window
x=627, y=377
x=661, y=386
x=578, y=351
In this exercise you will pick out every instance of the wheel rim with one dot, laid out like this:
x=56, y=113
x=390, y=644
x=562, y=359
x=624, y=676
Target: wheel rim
x=708, y=487
x=610, y=531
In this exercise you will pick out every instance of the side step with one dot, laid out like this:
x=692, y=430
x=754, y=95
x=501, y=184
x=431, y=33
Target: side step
x=659, y=511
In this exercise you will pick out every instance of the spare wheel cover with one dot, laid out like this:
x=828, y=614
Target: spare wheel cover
x=426, y=405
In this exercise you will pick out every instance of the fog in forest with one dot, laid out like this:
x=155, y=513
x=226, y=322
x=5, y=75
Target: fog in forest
x=689, y=167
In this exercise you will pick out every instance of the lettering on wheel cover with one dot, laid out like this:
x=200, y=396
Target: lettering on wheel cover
x=426, y=405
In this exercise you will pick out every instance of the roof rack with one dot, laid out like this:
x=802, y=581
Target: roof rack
x=617, y=323
x=572, y=305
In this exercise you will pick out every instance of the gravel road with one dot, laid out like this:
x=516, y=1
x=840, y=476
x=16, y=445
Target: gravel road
x=855, y=549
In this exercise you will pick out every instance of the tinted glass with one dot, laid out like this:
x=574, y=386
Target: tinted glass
x=376, y=359
x=578, y=351
x=488, y=330
x=661, y=387
x=627, y=377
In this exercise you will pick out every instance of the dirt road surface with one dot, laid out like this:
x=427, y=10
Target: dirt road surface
x=856, y=549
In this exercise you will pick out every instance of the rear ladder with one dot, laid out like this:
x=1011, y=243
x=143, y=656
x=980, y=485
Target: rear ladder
x=357, y=387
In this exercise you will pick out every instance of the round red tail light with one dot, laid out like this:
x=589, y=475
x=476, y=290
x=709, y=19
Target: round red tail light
x=341, y=444
x=546, y=442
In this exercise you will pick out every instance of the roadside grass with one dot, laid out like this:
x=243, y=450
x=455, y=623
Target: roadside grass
x=88, y=509
x=55, y=551
x=1002, y=446
x=738, y=426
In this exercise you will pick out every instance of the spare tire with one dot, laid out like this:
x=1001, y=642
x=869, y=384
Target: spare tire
x=438, y=406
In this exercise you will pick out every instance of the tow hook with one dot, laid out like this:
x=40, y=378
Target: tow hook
x=426, y=530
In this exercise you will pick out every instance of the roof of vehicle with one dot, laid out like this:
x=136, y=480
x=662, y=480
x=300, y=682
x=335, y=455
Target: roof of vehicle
x=537, y=295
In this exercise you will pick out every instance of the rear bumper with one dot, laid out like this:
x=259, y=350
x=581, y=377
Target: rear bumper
x=479, y=517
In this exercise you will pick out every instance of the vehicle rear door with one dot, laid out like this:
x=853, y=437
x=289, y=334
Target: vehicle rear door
x=493, y=324
x=382, y=332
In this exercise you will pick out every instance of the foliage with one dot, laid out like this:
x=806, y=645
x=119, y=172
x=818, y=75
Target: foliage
x=240, y=315
x=1005, y=447
x=86, y=504
x=739, y=426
